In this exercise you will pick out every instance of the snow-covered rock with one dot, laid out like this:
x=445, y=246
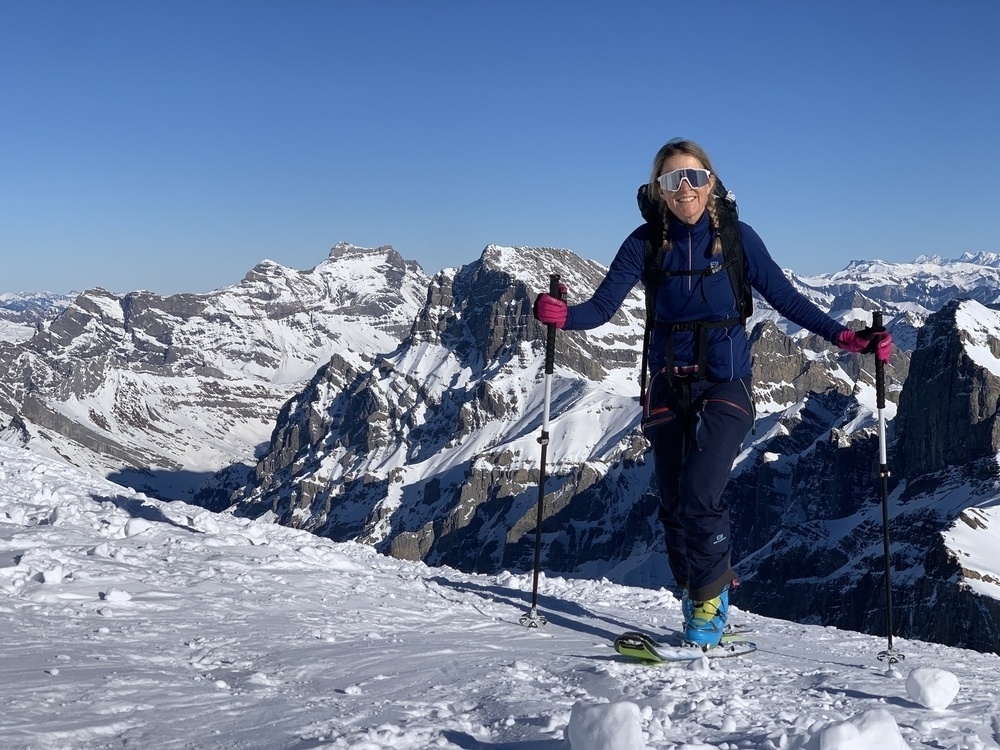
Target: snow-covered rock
x=875, y=729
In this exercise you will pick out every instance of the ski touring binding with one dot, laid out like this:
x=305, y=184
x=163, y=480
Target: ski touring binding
x=641, y=647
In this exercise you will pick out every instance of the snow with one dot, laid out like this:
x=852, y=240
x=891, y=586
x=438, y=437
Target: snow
x=932, y=687
x=972, y=537
x=605, y=726
x=14, y=333
x=981, y=328
x=129, y=622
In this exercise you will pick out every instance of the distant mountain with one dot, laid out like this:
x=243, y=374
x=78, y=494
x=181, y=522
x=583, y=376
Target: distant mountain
x=925, y=285
x=20, y=314
x=163, y=393
x=403, y=412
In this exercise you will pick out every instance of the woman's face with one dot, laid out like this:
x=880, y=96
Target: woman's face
x=686, y=203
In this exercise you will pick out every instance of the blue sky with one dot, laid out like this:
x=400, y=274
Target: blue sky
x=171, y=146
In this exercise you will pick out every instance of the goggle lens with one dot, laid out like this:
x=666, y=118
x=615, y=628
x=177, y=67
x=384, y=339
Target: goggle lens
x=671, y=181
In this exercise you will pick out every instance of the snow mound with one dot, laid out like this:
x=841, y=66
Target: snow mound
x=932, y=687
x=605, y=726
x=872, y=730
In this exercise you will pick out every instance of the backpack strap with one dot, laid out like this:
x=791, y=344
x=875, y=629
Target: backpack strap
x=654, y=254
x=732, y=250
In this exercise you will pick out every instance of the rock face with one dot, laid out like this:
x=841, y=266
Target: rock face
x=951, y=419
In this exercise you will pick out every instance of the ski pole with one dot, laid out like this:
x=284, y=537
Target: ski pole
x=532, y=619
x=883, y=471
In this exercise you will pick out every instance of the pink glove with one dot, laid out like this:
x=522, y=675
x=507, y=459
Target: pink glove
x=866, y=341
x=550, y=310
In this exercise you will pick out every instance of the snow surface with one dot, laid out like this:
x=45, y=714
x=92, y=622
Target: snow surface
x=981, y=327
x=14, y=333
x=129, y=622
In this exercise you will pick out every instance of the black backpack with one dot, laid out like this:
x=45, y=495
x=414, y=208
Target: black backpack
x=733, y=261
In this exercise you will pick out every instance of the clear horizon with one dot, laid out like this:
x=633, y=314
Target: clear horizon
x=173, y=147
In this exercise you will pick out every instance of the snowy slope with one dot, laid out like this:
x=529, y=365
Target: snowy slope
x=133, y=623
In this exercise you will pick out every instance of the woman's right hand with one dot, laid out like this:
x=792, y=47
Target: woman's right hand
x=550, y=310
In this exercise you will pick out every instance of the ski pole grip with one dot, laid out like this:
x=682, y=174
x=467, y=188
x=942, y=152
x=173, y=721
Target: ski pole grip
x=550, y=339
x=878, y=327
x=554, y=286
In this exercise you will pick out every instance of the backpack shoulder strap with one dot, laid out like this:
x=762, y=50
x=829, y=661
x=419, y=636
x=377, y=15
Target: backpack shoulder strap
x=654, y=253
x=732, y=250
x=652, y=263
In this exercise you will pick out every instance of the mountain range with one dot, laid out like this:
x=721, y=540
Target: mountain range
x=365, y=400
x=21, y=313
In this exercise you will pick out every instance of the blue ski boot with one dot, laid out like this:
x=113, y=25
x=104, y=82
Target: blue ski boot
x=708, y=622
x=687, y=608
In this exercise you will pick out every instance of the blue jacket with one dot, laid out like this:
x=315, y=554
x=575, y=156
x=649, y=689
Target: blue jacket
x=707, y=298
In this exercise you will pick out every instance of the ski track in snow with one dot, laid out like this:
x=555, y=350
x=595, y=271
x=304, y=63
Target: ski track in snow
x=134, y=623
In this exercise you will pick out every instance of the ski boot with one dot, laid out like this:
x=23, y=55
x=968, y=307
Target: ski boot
x=708, y=622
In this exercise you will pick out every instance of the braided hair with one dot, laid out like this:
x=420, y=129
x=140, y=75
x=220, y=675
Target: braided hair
x=674, y=147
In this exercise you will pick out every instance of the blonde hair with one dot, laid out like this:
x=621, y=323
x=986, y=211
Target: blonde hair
x=674, y=147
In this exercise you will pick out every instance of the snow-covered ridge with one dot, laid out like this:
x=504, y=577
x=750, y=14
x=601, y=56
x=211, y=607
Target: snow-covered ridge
x=925, y=276
x=980, y=327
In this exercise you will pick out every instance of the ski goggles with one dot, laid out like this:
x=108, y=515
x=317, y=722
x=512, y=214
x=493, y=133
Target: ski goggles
x=671, y=181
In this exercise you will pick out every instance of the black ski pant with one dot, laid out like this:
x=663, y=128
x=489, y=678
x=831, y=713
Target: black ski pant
x=696, y=428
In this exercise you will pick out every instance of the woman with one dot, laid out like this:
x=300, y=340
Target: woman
x=699, y=407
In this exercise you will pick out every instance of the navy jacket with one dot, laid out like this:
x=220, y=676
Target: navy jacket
x=690, y=298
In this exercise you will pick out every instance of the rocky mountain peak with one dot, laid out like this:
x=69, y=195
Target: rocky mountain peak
x=982, y=258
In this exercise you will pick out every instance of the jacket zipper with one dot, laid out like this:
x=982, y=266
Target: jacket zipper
x=690, y=258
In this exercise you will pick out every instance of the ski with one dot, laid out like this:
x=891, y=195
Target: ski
x=641, y=647
x=736, y=628
x=734, y=631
